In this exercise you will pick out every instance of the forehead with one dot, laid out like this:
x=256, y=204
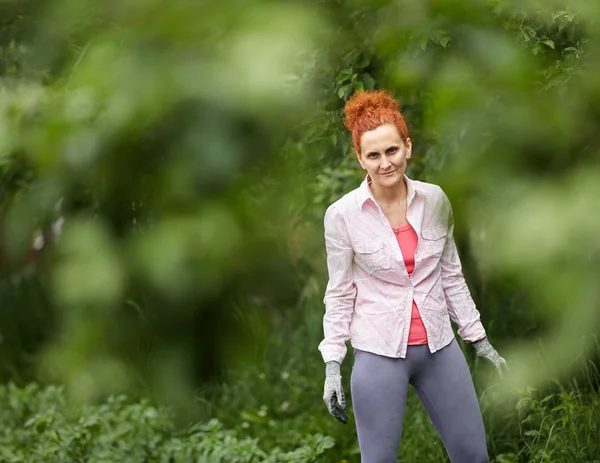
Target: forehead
x=380, y=138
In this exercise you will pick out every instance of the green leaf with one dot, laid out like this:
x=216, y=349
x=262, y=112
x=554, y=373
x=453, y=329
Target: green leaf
x=344, y=75
x=368, y=81
x=548, y=42
x=343, y=91
x=536, y=48
x=523, y=402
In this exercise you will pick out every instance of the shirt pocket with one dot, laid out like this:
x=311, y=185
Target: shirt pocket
x=371, y=256
x=433, y=242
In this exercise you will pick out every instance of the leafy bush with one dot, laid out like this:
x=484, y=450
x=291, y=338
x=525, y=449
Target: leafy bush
x=39, y=426
x=561, y=427
x=272, y=413
x=558, y=427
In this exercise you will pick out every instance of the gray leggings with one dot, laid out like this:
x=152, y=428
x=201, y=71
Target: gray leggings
x=443, y=382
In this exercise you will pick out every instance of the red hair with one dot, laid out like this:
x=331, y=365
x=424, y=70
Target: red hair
x=368, y=109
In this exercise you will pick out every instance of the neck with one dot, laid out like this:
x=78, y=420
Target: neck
x=390, y=195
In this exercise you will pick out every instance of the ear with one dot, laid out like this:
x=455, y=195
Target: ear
x=408, y=144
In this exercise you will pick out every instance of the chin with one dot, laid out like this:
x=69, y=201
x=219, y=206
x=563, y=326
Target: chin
x=391, y=180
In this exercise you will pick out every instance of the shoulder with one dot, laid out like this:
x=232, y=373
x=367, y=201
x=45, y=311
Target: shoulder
x=431, y=192
x=337, y=215
x=438, y=209
x=344, y=206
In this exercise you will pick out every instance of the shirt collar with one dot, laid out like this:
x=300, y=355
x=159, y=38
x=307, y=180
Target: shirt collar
x=365, y=193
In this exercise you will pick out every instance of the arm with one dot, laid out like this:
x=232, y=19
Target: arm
x=461, y=307
x=341, y=292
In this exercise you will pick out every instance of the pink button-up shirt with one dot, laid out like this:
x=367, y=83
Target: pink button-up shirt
x=369, y=295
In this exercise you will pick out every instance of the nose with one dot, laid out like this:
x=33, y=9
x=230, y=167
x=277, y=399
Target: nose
x=385, y=163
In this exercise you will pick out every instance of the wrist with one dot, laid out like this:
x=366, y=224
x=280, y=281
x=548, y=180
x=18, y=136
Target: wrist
x=483, y=345
x=332, y=368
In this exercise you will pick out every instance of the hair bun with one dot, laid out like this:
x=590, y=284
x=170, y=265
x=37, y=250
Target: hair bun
x=367, y=102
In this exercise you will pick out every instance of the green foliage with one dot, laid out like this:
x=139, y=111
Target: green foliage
x=561, y=427
x=163, y=164
x=39, y=426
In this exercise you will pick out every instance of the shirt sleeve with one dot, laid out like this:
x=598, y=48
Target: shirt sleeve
x=461, y=306
x=340, y=294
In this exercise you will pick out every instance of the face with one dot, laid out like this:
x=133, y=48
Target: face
x=384, y=154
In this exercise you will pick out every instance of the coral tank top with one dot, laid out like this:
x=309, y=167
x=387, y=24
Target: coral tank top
x=407, y=240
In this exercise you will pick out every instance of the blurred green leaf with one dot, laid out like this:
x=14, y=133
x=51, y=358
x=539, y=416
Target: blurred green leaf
x=548, y=42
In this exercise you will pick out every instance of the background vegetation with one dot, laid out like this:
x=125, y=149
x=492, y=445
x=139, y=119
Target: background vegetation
x=164, y=169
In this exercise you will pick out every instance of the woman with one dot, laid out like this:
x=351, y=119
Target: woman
x=395, y=283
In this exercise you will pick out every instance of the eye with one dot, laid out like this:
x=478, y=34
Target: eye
x=392, y=150
x=372, y=155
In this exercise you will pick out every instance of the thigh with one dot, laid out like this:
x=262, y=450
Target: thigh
x=445, y=387
x=378, y=388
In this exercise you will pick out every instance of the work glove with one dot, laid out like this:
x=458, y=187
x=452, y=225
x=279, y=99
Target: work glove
x=484, y=349
x=333, y=394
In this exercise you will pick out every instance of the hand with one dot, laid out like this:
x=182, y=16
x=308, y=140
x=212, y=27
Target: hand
x=333, y=395
x=485, y=350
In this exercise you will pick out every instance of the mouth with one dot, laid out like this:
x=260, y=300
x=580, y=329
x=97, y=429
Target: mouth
x=388, y=174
